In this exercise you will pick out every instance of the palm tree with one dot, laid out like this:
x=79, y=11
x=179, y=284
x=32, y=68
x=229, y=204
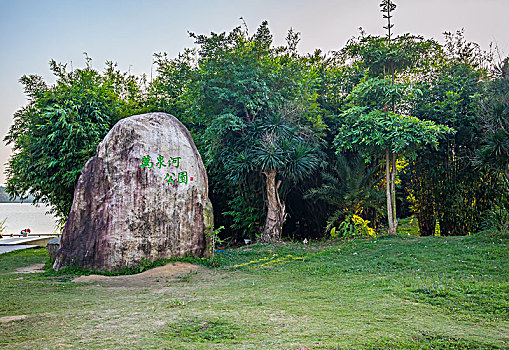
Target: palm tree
x=351, y=187
x=281, y=152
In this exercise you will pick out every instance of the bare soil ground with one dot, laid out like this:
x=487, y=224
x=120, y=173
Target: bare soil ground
x=35, y=268
x=6, y=319
x=168, y=272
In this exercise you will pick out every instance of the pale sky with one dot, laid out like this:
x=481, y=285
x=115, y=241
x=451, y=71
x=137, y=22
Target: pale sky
x=129, y=32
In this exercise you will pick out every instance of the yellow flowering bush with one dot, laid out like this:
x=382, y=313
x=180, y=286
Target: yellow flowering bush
x=353, y=225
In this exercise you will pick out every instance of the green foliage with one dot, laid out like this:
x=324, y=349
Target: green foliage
x=377, y=130
x=252, y=108
x=369, y=126
x=460, y=51
x=258, y=111
x=246, y=212
x=378, y=93
x=493, y=113
x=445, y=184
x=60, y=128
x=352, y=226
x=213, y=236
x=173, y=88
x=379, y=56
x=351, y=187
x=372, y=131
x=497, y=217
x=408, y=226
x=376, y=119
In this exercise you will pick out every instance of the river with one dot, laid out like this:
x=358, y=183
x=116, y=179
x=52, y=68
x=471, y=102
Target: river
x=25, y=215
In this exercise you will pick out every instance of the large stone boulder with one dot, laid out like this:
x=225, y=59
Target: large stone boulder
x=144, y=196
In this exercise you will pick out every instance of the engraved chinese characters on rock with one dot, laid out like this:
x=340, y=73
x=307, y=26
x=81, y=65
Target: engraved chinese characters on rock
x=179, y=177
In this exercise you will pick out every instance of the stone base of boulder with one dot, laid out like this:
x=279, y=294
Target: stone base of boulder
x=53, y=246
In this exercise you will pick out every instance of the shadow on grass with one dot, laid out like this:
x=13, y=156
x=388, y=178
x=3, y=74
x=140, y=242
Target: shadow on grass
x=428, y=342
x=200, y=330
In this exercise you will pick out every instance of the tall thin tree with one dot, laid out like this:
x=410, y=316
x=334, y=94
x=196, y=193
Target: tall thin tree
x=387, y=6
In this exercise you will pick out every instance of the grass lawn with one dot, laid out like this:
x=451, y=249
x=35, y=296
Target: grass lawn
x=402, y=292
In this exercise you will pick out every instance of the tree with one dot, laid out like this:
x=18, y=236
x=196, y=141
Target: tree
x=371, y=130
x=493, y=111
x=60, y=128
x=377, y=118
x=273, y=149
x=255, y=118
x=351, y=187
x=446, y=186
x=173, y=90
x=280, y=151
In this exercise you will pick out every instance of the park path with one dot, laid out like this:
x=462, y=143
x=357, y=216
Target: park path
x=11, y=248
x=9, y=244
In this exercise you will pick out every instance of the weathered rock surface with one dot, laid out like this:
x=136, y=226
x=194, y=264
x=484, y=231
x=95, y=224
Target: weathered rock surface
x=124, y=212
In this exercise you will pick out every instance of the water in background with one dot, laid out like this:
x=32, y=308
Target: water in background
x=26, y=215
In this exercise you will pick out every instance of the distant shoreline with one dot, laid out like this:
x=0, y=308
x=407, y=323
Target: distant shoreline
x=4, y=198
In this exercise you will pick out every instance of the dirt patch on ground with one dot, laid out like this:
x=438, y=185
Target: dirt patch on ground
x=36, y=268
x=172, y=271
x=6, y=319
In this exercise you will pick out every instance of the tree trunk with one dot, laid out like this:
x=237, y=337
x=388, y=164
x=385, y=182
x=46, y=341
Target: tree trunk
x=388, y=192
x=393, y=193
x=390, y=175
x=275, y=210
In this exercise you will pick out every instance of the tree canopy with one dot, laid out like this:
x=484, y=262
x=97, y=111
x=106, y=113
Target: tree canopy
x=60, y=128
x=295, y=144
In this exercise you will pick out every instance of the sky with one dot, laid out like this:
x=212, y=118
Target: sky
x=129, y=32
